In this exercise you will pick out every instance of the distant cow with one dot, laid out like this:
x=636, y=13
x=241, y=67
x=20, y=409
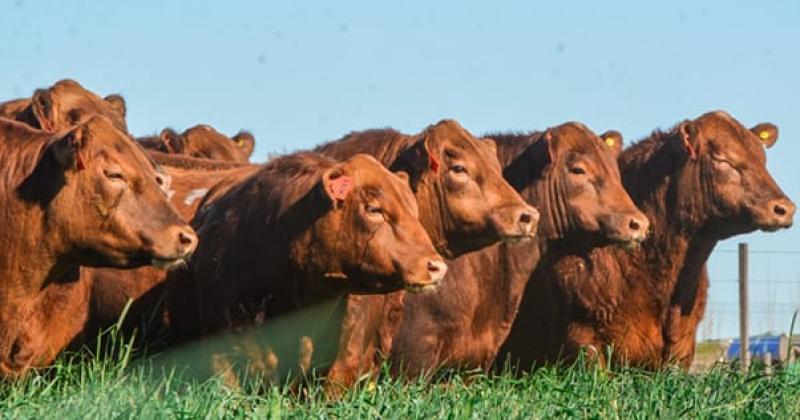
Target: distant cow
x=86, y=196
x=302, y=230
x=202, y=141
x=64, y=105
x=465, y=205
x=570, y=174
x=700, y=182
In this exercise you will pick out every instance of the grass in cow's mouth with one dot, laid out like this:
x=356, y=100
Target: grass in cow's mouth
x=111, y=386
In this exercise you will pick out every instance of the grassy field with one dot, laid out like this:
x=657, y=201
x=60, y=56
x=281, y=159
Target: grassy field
x=114, y=387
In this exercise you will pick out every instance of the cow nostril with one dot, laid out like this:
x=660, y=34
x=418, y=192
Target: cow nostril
x=780, y=210
x=525, y=218
x=185, y=239
x=433, y=267
x=634, y=225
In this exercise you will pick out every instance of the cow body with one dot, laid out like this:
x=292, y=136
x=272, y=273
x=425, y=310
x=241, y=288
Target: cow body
x=703, y=181
x=86, y=196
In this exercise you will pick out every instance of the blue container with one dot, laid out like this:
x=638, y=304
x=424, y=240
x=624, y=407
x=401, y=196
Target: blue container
x=760, y=346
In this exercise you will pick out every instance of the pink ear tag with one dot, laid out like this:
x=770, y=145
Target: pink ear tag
x=341, y=187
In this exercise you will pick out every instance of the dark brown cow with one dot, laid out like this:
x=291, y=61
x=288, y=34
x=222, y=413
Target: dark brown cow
x=202, y=141
x=570, y=174
x=302, y=230
x=465, y=205
x=700, y=182
x=86, y=196
x=64, y=105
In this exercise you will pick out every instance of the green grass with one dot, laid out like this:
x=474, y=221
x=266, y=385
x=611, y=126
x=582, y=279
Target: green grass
x=112, y=387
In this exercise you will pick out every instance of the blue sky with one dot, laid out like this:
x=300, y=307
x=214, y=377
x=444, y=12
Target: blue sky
x=298, y=73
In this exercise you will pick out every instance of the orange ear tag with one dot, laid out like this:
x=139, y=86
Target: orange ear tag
x=79, y=162
x=610, y=141
x=764, y=135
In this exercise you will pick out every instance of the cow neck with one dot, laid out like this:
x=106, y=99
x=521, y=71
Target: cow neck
x=675, y=198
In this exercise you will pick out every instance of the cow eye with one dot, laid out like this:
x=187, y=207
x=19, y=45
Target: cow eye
x=577, y=170
x=115, y=175
x=374, y=210
x=459, y=169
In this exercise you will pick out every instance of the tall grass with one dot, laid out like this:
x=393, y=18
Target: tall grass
x=107, y=385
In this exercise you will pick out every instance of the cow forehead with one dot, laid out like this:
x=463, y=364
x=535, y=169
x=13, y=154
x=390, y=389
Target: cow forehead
x=114, y=144
x=728, y=133
x=578, y=139
x=374, y=176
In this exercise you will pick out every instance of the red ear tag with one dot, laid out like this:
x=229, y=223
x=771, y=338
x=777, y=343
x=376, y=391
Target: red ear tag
x=79, y=162
x=341, y=187
x=433, y=163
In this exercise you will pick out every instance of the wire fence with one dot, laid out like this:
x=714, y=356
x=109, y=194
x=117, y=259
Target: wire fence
x=774, y=293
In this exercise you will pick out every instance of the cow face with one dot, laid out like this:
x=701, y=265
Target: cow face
x=460, y=188
x=205, y=142
x=727, y=164
x=110, y=206
x=373, y=229
x=584, y=191
x=67, y=103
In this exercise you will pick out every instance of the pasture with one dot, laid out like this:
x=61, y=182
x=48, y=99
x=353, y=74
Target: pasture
x=117, y=386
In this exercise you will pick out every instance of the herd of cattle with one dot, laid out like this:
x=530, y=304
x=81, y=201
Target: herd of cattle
x=442, y=249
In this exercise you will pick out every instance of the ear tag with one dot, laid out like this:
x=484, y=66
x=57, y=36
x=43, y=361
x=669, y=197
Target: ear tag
x=79, y=162
x=433, y=163
x=764, y=135
x=610, y=141
x=340, y=187
x=690, y=150
x=240, y=143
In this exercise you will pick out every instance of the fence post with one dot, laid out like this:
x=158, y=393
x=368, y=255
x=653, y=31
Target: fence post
x=744, y=343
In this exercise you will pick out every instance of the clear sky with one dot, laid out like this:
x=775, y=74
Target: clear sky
x=298, y=73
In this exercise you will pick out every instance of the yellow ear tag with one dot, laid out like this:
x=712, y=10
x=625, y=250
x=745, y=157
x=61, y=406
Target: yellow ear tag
x=610, y=142
x=240, y=143
x=764, y=135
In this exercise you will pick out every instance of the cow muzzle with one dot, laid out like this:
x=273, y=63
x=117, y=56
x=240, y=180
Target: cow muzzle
x=778, y=214
x=515, y=224
x=435, y=270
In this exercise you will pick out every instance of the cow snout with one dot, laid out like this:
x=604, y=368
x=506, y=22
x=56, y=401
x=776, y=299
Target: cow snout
x=628, y=228
x=516, y=223
x=781, y=214
x=435, y=270
x=179, y=243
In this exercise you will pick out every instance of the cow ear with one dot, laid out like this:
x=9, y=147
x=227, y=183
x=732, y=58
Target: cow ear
x=767, y=133
x=687, y=139
x=612, y=140
x=403, y=175
x=245, y=142
x=337, y=185
x=173, y=142
x=69, y=150
x=44, y=110
x=118, y=103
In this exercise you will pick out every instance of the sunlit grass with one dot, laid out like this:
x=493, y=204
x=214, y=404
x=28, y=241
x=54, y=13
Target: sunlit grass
x=109, y=384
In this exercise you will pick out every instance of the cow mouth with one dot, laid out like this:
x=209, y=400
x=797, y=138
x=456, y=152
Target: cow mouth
x=516, y=239
x=168, y=263
x=421, y=287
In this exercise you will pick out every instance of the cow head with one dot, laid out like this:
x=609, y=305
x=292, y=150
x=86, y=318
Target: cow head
x=579, y=186
x=109, y=208
x=67, y=103
x=205, y=142
x=373, y=230
x=724, y=180
x=465, y=204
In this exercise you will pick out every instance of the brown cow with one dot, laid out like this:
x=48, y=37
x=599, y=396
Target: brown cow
x=64, y=105
x=302, y=230
x=700, y=182
x=570, y=174
x=86, y=196
x=202, y=141
x=111, y=289
x=465, y=205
